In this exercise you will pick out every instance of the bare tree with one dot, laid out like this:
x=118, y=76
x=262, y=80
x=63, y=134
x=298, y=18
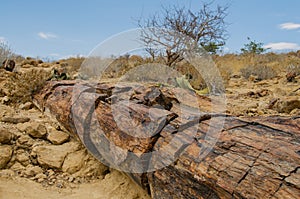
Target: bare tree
x=5, y=51
x=176, y=28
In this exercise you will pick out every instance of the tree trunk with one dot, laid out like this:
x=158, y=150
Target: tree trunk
x=172, y=148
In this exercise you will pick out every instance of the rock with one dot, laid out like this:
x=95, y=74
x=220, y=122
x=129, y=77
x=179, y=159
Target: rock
x=29, y=62
x=31, y=171
x=5, y=100
x=5, y=136
x=92, y=167
x=17, y=167
x=44, y=65
x=50, y=172
x=22, y=126
x=15, y=120
x=40, y=177
x=36, y=130
x=23, y=157
x=74, y=162
x=54, y=156
x=287, y=105
x=26, y=106
x=25, y=141
x=71, y=179
x=6, y=152
x=7, y=173
x=57, y=137
x=295, y=112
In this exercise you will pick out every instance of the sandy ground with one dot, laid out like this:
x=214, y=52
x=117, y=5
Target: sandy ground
x=114, y=186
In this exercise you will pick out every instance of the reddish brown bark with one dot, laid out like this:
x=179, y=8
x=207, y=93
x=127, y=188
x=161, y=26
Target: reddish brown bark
x=256, y=157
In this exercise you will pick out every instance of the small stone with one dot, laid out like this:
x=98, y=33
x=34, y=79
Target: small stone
x=31, y=171
x=36, y=130
x=23, y=158
x=7, y=173
x=50, y=172
x=5, y=136
x=5, y=100
x=64, y=175
x=39, y=180
x=77, y=181
x=57, y=137
x=71, y=179
x=25, y=141
x=22, y=126
x=6, y=152
x=40, y=176
x=50, y=183
x=15, y=120
x=17, y=167
x=59, y=184
x=26, y=106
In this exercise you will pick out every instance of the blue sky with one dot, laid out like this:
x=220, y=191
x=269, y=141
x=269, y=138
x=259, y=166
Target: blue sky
x=60, y=28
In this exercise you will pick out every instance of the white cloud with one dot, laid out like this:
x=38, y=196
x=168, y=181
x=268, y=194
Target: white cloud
x=72, y=56
x=289, y=26
x=282, y=46
x=44, y=35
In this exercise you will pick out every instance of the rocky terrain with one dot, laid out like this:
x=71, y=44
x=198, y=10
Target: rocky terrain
x=38, y=156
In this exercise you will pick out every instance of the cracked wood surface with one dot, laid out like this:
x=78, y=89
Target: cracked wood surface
x=256, y=157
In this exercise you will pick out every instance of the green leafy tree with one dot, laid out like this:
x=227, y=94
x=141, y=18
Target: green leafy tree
x=212, y=47
x=253, y=47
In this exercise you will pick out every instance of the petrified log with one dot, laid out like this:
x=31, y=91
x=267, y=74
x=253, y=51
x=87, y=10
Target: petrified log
x=175, y=146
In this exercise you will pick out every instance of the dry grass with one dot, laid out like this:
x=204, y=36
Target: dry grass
x=261, y=72
x=20, y=86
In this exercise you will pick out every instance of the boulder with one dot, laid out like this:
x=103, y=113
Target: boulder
x=25, y=141
x=74, y=162
x=36, y=130
x=6, y=153
x=5, y=136
x=52, y=156
x=22, y=157
x=57, y=137
x=287, y=105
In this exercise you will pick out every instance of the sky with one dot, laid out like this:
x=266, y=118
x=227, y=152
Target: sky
x=61, y=28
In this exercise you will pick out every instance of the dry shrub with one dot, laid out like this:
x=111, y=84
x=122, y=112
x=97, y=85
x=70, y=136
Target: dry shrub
x=72, y=64
x=295, y=69
x=21, y=86
x=262, y=72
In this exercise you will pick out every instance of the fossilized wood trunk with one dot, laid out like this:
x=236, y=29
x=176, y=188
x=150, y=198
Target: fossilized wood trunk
x=255, y=157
